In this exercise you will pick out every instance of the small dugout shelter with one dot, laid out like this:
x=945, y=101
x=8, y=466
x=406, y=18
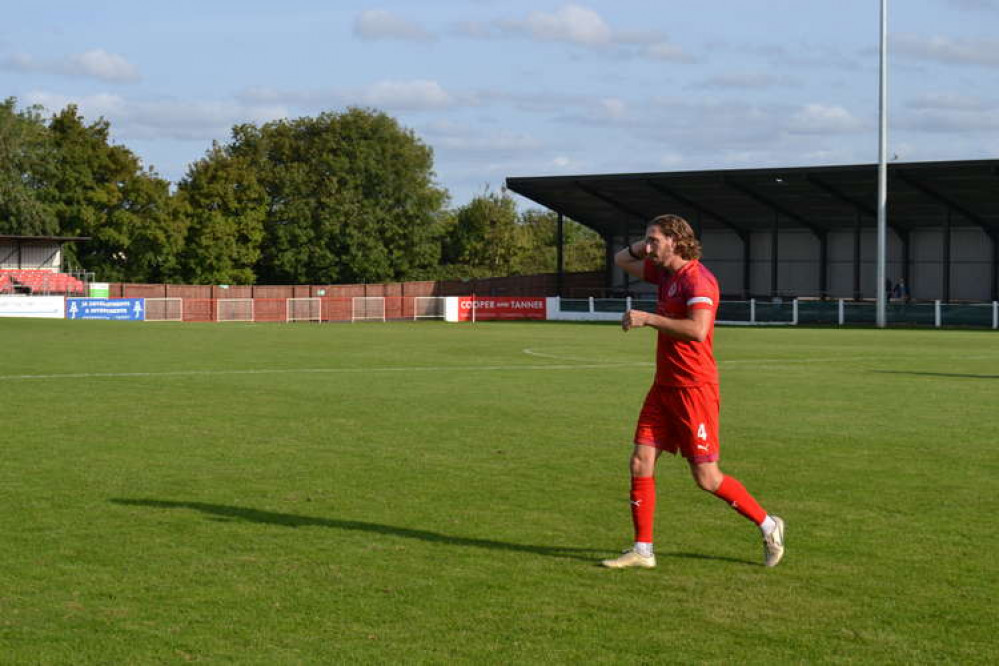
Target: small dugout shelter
x=802, y=231
x=34, y=265
x=34, y=252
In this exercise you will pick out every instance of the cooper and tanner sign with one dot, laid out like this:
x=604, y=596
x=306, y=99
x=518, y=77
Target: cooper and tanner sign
x=491, y=308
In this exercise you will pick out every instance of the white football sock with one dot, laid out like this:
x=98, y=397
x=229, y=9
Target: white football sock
x=768, y=525
x=644, y=549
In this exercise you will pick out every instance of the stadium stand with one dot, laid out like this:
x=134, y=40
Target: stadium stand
x=39, y=281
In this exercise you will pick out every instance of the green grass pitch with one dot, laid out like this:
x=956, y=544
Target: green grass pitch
x=442, y=493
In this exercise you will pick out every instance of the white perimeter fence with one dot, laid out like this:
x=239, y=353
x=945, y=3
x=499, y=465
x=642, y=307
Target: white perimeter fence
x=754, y=312
x=759, y=312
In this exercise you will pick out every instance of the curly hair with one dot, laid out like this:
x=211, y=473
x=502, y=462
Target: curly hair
x=685, y=243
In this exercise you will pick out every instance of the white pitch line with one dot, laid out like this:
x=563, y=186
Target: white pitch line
x=532, y=352
x=742, y=361
x=779, y=361
x=582, y=364
x=210, y=373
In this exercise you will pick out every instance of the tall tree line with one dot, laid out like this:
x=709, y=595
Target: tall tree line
x=337, y=198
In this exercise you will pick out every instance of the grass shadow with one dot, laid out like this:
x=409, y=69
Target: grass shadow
x=225, y=512
x=959, y=375
x=701, y=556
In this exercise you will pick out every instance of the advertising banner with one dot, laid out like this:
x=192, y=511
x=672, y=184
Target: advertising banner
x=495, y=308
x=49, y=307
x=119, y=309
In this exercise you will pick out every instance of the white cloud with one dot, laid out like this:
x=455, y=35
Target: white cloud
x=91, y=106
x=793, y=54
x=579, y=26
x=665, y=51
x=387, y=95
x=376, y=24
x=951, y=102
x=201, y=120
x=544, y=101
x=613, y=108
x=570, y=23
x=952, y=121
x=670, y=160
x=565, y=164
x=100, y=64
x=823, y=119
x=975, y=4
x=406, y=95
x=474, y=30
x=945, y=50
x=472, y=140
x=96, y=64
x=747, y=81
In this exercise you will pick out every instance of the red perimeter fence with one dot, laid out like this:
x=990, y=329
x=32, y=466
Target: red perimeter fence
x=200, y=302
x=574, y=285
x=276, y=309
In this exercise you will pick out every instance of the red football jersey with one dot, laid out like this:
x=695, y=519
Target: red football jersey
x=680, y=362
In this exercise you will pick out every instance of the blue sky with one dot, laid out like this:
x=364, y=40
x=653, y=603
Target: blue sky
x=518, y=88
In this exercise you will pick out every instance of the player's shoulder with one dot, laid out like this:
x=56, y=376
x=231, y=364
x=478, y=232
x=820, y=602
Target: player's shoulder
x=701, y=275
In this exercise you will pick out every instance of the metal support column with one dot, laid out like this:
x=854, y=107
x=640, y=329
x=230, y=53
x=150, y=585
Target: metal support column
x=746, y=264
x=904, y=237
x=774, y=254
x=609, y=253
x=995, y=265
x=856, y=262
x=824, y=265
x=882, y=251
x=946, y=257
x=559, y=258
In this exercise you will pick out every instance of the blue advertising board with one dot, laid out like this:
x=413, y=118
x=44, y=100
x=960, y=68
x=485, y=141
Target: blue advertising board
x=120, y=309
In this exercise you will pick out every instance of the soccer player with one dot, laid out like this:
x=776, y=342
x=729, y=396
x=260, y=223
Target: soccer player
x=680, y=413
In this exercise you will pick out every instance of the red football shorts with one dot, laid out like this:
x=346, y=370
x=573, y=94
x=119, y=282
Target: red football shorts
x=681, y=418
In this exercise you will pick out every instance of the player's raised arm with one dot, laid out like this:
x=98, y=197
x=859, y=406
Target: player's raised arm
x=631, y=259
x=694, y=328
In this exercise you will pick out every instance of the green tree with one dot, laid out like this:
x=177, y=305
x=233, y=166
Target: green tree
x=350, y=197
x=225, y=207
x=484, y=237
x=100, y=190
x=487, y=237
x=583, y=248
x=27, y=160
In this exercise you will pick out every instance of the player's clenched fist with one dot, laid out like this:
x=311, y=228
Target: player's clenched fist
x=633, y=319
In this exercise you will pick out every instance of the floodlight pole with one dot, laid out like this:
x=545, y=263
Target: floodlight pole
x=882, y=277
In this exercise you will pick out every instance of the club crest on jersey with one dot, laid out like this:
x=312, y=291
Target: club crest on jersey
x=672, y=290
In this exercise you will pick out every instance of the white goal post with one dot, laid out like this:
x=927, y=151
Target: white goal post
x=234, y=309
x=428, y=307
x=367, y=308
x=164, y=309
x=304, y=309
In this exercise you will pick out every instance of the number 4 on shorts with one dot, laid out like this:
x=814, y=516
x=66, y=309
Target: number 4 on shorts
x=702, y=433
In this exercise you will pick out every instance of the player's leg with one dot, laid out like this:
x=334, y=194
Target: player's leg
x=698, y=410
x=643, y=509
x=650, y=435
x=643, y=495
x=711, y=479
